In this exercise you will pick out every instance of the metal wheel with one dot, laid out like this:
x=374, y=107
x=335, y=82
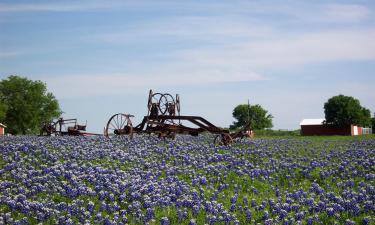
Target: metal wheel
x=149, y=102
x=119, y=124
x=178, y=104
x=223, y=139
x=153, y=98
x=167, y=104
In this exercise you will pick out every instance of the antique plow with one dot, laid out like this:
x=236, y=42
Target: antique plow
x=63, y=127
x=164, y=119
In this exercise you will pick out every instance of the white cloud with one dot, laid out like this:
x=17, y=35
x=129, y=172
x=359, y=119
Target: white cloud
x=289, y=50
x=239, y=41
x=58, y=6
x=346, y=12
x=226, y=47
x=301, y=11
x=227, y=61
x=9, y=54
x=198, y=28
x=96, y=85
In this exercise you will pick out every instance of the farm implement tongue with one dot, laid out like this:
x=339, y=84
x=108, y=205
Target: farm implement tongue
x=163, y=118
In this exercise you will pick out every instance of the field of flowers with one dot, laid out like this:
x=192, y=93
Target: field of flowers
x=93, y=180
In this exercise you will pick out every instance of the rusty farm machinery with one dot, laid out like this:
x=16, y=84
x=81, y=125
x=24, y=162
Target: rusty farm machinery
x=62, y=127
x=164, y=119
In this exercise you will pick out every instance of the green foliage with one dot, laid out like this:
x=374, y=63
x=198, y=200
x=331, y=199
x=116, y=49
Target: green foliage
x=343, y=110
x=259, y=117
x=276, y=133
x=373, y=124
x=26, y=104
x=3, y=108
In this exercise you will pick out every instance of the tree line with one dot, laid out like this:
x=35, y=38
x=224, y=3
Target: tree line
x=339, y=111
x=26, y=104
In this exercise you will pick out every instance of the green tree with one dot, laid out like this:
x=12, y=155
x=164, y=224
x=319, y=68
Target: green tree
x=28, y=104
x=259, y=117
x=3, y=109
x=373, y=124
x=344, y=110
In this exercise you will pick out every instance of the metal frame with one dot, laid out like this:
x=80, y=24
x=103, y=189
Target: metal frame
x=164, y=119
x=62, y=127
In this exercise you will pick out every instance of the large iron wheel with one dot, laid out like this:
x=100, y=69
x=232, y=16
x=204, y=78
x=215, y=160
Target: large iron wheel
x=178, y=104
x=119, y=124
x=153, y=98
x=166, y=102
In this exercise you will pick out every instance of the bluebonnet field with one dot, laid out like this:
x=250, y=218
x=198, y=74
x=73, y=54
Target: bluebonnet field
x=71, y=180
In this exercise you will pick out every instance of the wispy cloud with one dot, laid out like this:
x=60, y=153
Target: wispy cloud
x=200, y=28
x=267, y=49
x=241, y=19
x=246, y=42
x=220, y=47
x=345, y=12
x=226, y=49
x=9, y=54
x=59, y=6
x=95, y=85
x=288, y=50
x=324, y=14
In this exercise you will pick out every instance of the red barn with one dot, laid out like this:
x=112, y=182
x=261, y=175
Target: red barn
x=316, y=127
x=2, y=129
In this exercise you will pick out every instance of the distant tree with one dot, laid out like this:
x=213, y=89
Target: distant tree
x=28, y=104
x=3, y=109
x=259, y=117
x=373, y=124
x=345, y=110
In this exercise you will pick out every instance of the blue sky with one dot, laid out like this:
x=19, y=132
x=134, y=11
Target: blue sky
x=102, y=57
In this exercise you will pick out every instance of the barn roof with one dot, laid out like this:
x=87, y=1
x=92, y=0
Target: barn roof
x=312, y=122
x=2, y=125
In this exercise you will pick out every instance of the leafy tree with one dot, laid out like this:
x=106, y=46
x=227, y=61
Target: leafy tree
x=373, y=124
x=343, y=110
x=259, y=117
x=28, y=104
x=3, y=109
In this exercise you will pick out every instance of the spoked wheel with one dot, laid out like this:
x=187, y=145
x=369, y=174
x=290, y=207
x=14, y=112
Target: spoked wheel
x=167, y=104
x=119, y=124
x=223, y=139
x=153, y=98
x=178, y=104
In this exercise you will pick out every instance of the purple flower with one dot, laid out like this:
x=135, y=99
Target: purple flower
x=164, y=221
x=330, y=211
x=366, y=220
x=248, y=215
x=349, y=222
x=90, y=206
x=192, y=222
x=232, y=207
x=233, y=200
x=265, y=215
x=195, y=210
